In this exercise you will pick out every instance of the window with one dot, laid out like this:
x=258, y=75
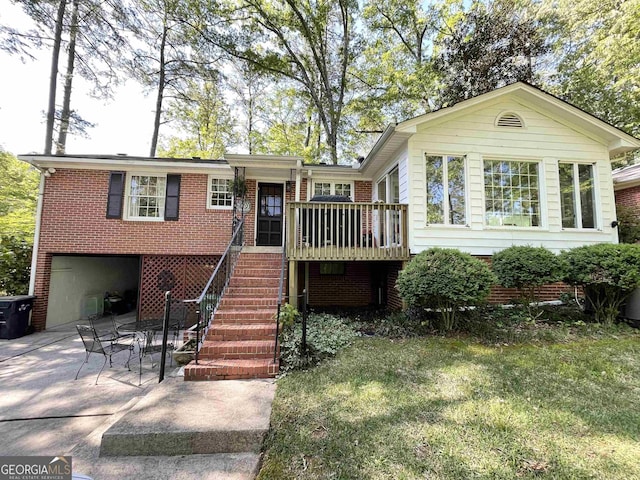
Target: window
x=512, y=193
x=389, y=187
x=220, y=193
x=332, y=188
x=146, y=197
x=332, y=268
x=445, y=190
x=577, y=195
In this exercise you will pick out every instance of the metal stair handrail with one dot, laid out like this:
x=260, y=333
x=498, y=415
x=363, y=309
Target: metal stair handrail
x=209, y=300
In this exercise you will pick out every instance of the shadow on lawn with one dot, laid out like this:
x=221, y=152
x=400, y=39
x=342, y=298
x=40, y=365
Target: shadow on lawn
x=415, y=410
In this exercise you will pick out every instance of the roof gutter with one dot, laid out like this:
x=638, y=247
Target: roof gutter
x=386, y=135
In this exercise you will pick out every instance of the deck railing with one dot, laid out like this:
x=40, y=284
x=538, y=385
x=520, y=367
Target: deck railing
x=328, y=231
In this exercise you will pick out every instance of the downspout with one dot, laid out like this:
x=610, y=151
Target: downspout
x=36, y=236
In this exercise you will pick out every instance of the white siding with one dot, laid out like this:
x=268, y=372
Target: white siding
x=544, y=140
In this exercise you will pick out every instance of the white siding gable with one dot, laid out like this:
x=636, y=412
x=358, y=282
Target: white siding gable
x=544, y=140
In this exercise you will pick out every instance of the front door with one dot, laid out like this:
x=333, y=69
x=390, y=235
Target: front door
x=270, y=208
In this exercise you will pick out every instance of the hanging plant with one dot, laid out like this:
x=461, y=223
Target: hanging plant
x=239, y=187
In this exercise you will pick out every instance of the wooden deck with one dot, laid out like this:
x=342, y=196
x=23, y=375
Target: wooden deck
x=335, y=231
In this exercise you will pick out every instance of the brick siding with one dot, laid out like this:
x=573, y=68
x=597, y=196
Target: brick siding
x=629, y=197
x=74, y=222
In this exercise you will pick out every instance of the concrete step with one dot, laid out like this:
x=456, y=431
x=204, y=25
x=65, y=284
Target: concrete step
x=239, y=349
x=233, y=332
x=230, y=369
x=179, y=418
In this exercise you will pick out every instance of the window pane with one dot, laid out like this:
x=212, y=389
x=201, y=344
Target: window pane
x=382, y=190
x=343, y=189
x=221, y=194
x=585, y=175
x=567, y=195
x=513, y=189
x=146, y=196
x=322, y=189
x=394, y=182
x=435, y=190
x=455, y=172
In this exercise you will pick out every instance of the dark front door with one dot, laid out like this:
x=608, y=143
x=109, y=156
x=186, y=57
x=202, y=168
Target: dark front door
x=270, y=207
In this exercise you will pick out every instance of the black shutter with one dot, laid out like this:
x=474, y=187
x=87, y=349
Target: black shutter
x=116, y=191
x=172, y=200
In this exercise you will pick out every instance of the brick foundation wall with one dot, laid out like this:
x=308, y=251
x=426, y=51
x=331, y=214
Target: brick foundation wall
x=501, y=295
x=394, y=301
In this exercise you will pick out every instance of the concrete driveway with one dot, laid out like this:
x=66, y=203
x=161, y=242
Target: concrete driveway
x=43, y=410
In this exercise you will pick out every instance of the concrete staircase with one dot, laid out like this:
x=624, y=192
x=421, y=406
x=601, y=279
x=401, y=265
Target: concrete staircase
x=241, y=339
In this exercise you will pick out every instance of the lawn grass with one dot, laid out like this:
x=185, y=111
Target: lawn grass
x=450, y=408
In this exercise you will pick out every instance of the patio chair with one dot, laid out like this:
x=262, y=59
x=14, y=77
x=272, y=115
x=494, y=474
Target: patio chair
x=93, y=344
x=106, y=328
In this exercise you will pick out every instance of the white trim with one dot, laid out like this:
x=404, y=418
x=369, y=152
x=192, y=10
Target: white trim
x=127, y=196
x=332, y=186
x=542, y=193
x=36, y=237
x=505, y=113
x=209, y=192
x=445, y=184
x=257, y=210
x=577, y=200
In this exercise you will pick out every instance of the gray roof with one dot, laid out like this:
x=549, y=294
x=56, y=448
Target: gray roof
x=626, y=174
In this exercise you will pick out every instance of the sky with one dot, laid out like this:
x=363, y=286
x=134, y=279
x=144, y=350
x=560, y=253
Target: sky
x=123, y=125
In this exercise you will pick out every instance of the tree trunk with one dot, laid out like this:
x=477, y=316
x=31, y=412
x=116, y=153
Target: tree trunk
x=66, y=104
x=160, y=96
x=53, y=78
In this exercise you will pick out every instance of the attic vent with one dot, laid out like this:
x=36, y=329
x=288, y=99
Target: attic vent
x=510, y=120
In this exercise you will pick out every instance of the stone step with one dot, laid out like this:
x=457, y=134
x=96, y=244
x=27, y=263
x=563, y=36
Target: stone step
x=238, y=349
x=230, y=370
x=233, y=332
x=178, y=418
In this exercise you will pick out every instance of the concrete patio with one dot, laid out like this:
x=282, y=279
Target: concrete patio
x=44, y=411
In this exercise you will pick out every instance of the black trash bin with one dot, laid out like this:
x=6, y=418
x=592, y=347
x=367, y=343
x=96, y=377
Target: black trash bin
x=15, y=313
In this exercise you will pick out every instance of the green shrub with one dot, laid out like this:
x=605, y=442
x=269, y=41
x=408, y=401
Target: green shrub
x=445, y=279
x=326, y=335
x=628, y=225
x=607, y=272
x=15, y=265
x=527, y=269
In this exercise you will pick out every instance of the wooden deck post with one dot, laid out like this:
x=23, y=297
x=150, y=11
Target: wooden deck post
x=293, y=284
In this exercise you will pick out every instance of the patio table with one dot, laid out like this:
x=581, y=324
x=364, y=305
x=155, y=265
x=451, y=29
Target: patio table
x=146, y=331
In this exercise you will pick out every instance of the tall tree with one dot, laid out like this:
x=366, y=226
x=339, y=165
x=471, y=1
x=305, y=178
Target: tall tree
x=203, y=119
x=93, y=31
x=309, y=42
x=597, y=51
x=489, y=46
x=166, y=59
